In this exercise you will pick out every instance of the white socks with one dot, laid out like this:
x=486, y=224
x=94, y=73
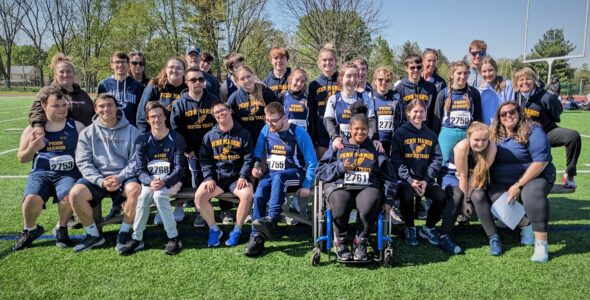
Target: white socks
x=92, y=230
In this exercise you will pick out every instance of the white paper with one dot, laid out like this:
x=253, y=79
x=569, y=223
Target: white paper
x=508, y=214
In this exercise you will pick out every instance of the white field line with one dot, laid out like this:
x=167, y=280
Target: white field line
x=13, y=176
x=14, y=107
x=10, y=120
x=8, y=151
x=586, y=136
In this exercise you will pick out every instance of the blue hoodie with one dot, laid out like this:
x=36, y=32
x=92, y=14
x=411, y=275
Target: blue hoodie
x=542, y=107
x=163, y=157
x=226, y=156
x=211, y=84
x=381, y=174
x=317, y=97
x=127, y=92
x=277, y=85
x=438, y=82
x=249, y=111
x=192, y=119
x=465, y=107
x=409, y=91
x=166, y=96
x=293, y=145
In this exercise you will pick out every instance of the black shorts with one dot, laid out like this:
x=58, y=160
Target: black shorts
x=98, y=193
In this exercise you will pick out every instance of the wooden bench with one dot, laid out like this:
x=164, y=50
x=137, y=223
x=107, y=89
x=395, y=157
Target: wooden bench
x=182, y=196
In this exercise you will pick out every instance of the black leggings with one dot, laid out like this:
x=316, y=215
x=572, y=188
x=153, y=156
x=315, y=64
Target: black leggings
x=573, y=145
x=366, y=201
x=533, y=197
x=406, y=196
x=452, y=208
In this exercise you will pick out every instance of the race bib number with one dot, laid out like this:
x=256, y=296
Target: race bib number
x=345, y=129
x=385, y=122
x=356, y=177
x=62, y=163
x=460, y=118
x=276, y=162
x=159, y=167
x=299, y=122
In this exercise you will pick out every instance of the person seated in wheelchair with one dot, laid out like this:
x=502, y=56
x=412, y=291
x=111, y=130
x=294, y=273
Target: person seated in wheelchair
x=356, y=176
x=290, y=161
x=416, y=155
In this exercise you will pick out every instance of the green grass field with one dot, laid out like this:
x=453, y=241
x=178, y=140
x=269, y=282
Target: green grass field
x=46, y=272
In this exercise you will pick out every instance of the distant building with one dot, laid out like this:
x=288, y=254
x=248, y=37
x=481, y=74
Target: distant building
x=25, y=75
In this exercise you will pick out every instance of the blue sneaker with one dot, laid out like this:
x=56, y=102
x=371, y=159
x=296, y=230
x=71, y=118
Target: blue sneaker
x=234, y=238
x=214, y=237
x=495, y=245
x=430, y=234
x=411, y=236
x=447, y=244
x=527, y=237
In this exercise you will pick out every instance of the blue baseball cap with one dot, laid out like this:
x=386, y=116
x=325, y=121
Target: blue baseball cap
x=190, y=49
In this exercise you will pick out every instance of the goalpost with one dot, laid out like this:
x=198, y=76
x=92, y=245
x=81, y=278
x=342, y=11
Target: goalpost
x=550, y=60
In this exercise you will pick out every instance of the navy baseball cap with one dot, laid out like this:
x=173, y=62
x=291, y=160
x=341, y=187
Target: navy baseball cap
x=190, y=49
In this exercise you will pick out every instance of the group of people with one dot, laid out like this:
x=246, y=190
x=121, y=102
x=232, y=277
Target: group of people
x=460, y=142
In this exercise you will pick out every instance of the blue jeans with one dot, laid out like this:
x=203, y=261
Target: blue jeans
x=271, y=192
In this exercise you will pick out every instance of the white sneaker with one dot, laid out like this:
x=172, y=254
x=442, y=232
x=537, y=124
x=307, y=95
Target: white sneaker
x=178, y=214
x=157, y=219
x=226, y=217
x=290, y=221
x=541, y=254
x=248, y=219
x=526, y=235
x=396, y=217
x=353, y=215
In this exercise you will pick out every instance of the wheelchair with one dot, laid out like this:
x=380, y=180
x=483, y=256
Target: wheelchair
x=323, y=235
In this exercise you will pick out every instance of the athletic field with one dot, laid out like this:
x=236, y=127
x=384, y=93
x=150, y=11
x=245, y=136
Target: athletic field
x=46, y=272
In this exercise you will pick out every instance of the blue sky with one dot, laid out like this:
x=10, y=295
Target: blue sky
x=451, y=25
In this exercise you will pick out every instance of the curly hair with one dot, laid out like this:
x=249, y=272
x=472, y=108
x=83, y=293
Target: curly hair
x=522, y=129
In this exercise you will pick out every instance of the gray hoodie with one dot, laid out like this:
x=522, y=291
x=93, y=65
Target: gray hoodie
x=104, y=151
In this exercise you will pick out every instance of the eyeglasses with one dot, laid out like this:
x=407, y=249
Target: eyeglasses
x=195, y=80
x=220, y=112
x=511, y=112
x=274, y=121
x=416, y=67
x=383, y=79
x=481, y=53
x=138, y=63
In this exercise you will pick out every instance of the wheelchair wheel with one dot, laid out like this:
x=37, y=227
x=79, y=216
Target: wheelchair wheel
x=315, y=256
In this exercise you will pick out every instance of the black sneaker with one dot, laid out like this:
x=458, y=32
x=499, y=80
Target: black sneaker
x=266, y=227
x=341, y=249
x=89, y=242
x=255, y=245
x=174, y=246
x=122, y=239
x=26, y=238
x=131, y=247
x=115, y=212
x=360, y=249
x=62, y=239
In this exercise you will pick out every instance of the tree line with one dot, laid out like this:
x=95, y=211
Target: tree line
x=90, y=30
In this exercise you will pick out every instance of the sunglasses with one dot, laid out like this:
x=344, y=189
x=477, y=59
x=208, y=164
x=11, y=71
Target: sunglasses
x=138, y=63
x=511, y=112
x=416, y=67
x=480, y=53
x=195, y=80
x=383, y=79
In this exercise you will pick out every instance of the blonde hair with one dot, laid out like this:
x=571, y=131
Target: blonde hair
x=297, y=70
x=328, y=48
x=481, y=172
x=522, y=129
x=454, y=66
x=60, y=58
x=478, y=44
x=345, y=66
x=258, y=86
x=278, y=52
x=388, y=74
x=499, y=83
x=522, y=72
